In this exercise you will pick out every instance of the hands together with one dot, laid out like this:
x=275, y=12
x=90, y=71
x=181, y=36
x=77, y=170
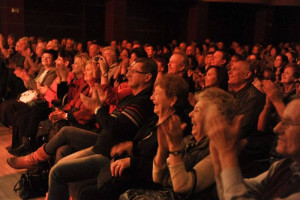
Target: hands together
x=97, y=100
x=57, y=115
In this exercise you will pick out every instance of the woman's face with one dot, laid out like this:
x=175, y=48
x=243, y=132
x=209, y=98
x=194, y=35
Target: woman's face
x=197, y=119
x=287, y=76
x=161, y=102
x=39, y=49
x=88, y=73
x=47, y=60
x=278, y=62
x=211, y=78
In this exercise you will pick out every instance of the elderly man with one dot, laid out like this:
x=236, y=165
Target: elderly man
x=178, y=64
x=111, y=55
x=281, y=181
x=249, y=103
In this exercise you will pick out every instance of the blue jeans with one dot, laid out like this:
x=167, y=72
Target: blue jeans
x=76, y=138
x=80, y=166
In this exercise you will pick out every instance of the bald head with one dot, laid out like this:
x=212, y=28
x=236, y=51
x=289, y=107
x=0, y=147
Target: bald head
x=239, y=75
x=292, y=111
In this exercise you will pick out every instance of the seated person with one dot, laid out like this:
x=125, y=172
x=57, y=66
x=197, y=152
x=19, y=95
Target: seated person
x=121, y=125
x=282, y=179
x=74, y=113
x=132, y=163
x=185, y=165
x=45, y=78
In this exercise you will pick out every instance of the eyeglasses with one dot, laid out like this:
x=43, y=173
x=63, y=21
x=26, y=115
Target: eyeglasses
x=285, y=123
x=132, y=71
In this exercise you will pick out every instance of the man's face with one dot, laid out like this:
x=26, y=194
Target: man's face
x=77, y=67
x=135, y=75
x=69, y=44
x=59, y=62
x=175, y=64
x=237, y=74
x=217, y=59
x=93, y=50
x=288, y=130
x=190, y=50
x=288, y=75
x=110, y=57
x=23, y=45
x=150, y=51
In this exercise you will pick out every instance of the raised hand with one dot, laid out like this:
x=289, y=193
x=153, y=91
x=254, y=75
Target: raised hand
x=97, y=100
x=173, y=130
x=223, y=136
x=272, y=91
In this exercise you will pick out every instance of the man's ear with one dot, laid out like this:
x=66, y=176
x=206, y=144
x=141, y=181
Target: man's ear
x=248, y=75
x=182, y=68
x=148, y=77
x=223, y=61
x=66, y=63
x=173, y=101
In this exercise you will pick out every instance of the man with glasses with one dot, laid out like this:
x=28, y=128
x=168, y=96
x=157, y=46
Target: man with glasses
x=281, y=181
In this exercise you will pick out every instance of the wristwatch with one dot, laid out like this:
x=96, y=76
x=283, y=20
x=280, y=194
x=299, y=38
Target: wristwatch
x=176, y=153
x=105, y=75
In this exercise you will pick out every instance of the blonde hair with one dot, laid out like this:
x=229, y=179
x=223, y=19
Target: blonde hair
x=83, y=60
x=223, y=101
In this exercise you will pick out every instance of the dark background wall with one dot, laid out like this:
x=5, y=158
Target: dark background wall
x=157, y=21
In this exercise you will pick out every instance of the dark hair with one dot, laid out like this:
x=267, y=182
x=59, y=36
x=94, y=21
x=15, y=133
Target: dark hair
x=225, y=56
x=284, y=58
x=52, y=52
x=139, y=52
x=67, y=56
x=149, y=66
x=163, y=60
x=193, y=63
x=175, y=86
x=222, y=76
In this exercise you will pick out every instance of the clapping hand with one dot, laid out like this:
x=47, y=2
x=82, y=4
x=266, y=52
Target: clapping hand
x=97, y=100
x=224, y=139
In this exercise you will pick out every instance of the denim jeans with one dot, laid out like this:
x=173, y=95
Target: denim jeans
x=80, y=166
x=77, y=138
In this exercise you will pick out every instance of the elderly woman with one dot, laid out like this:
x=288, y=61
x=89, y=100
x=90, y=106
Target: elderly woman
x=132, y=166
x=185, y=165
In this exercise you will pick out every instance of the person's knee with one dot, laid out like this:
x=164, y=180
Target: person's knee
x=56, y=172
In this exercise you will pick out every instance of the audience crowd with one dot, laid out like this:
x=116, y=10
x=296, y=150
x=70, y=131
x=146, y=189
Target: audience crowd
x=126, y=120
